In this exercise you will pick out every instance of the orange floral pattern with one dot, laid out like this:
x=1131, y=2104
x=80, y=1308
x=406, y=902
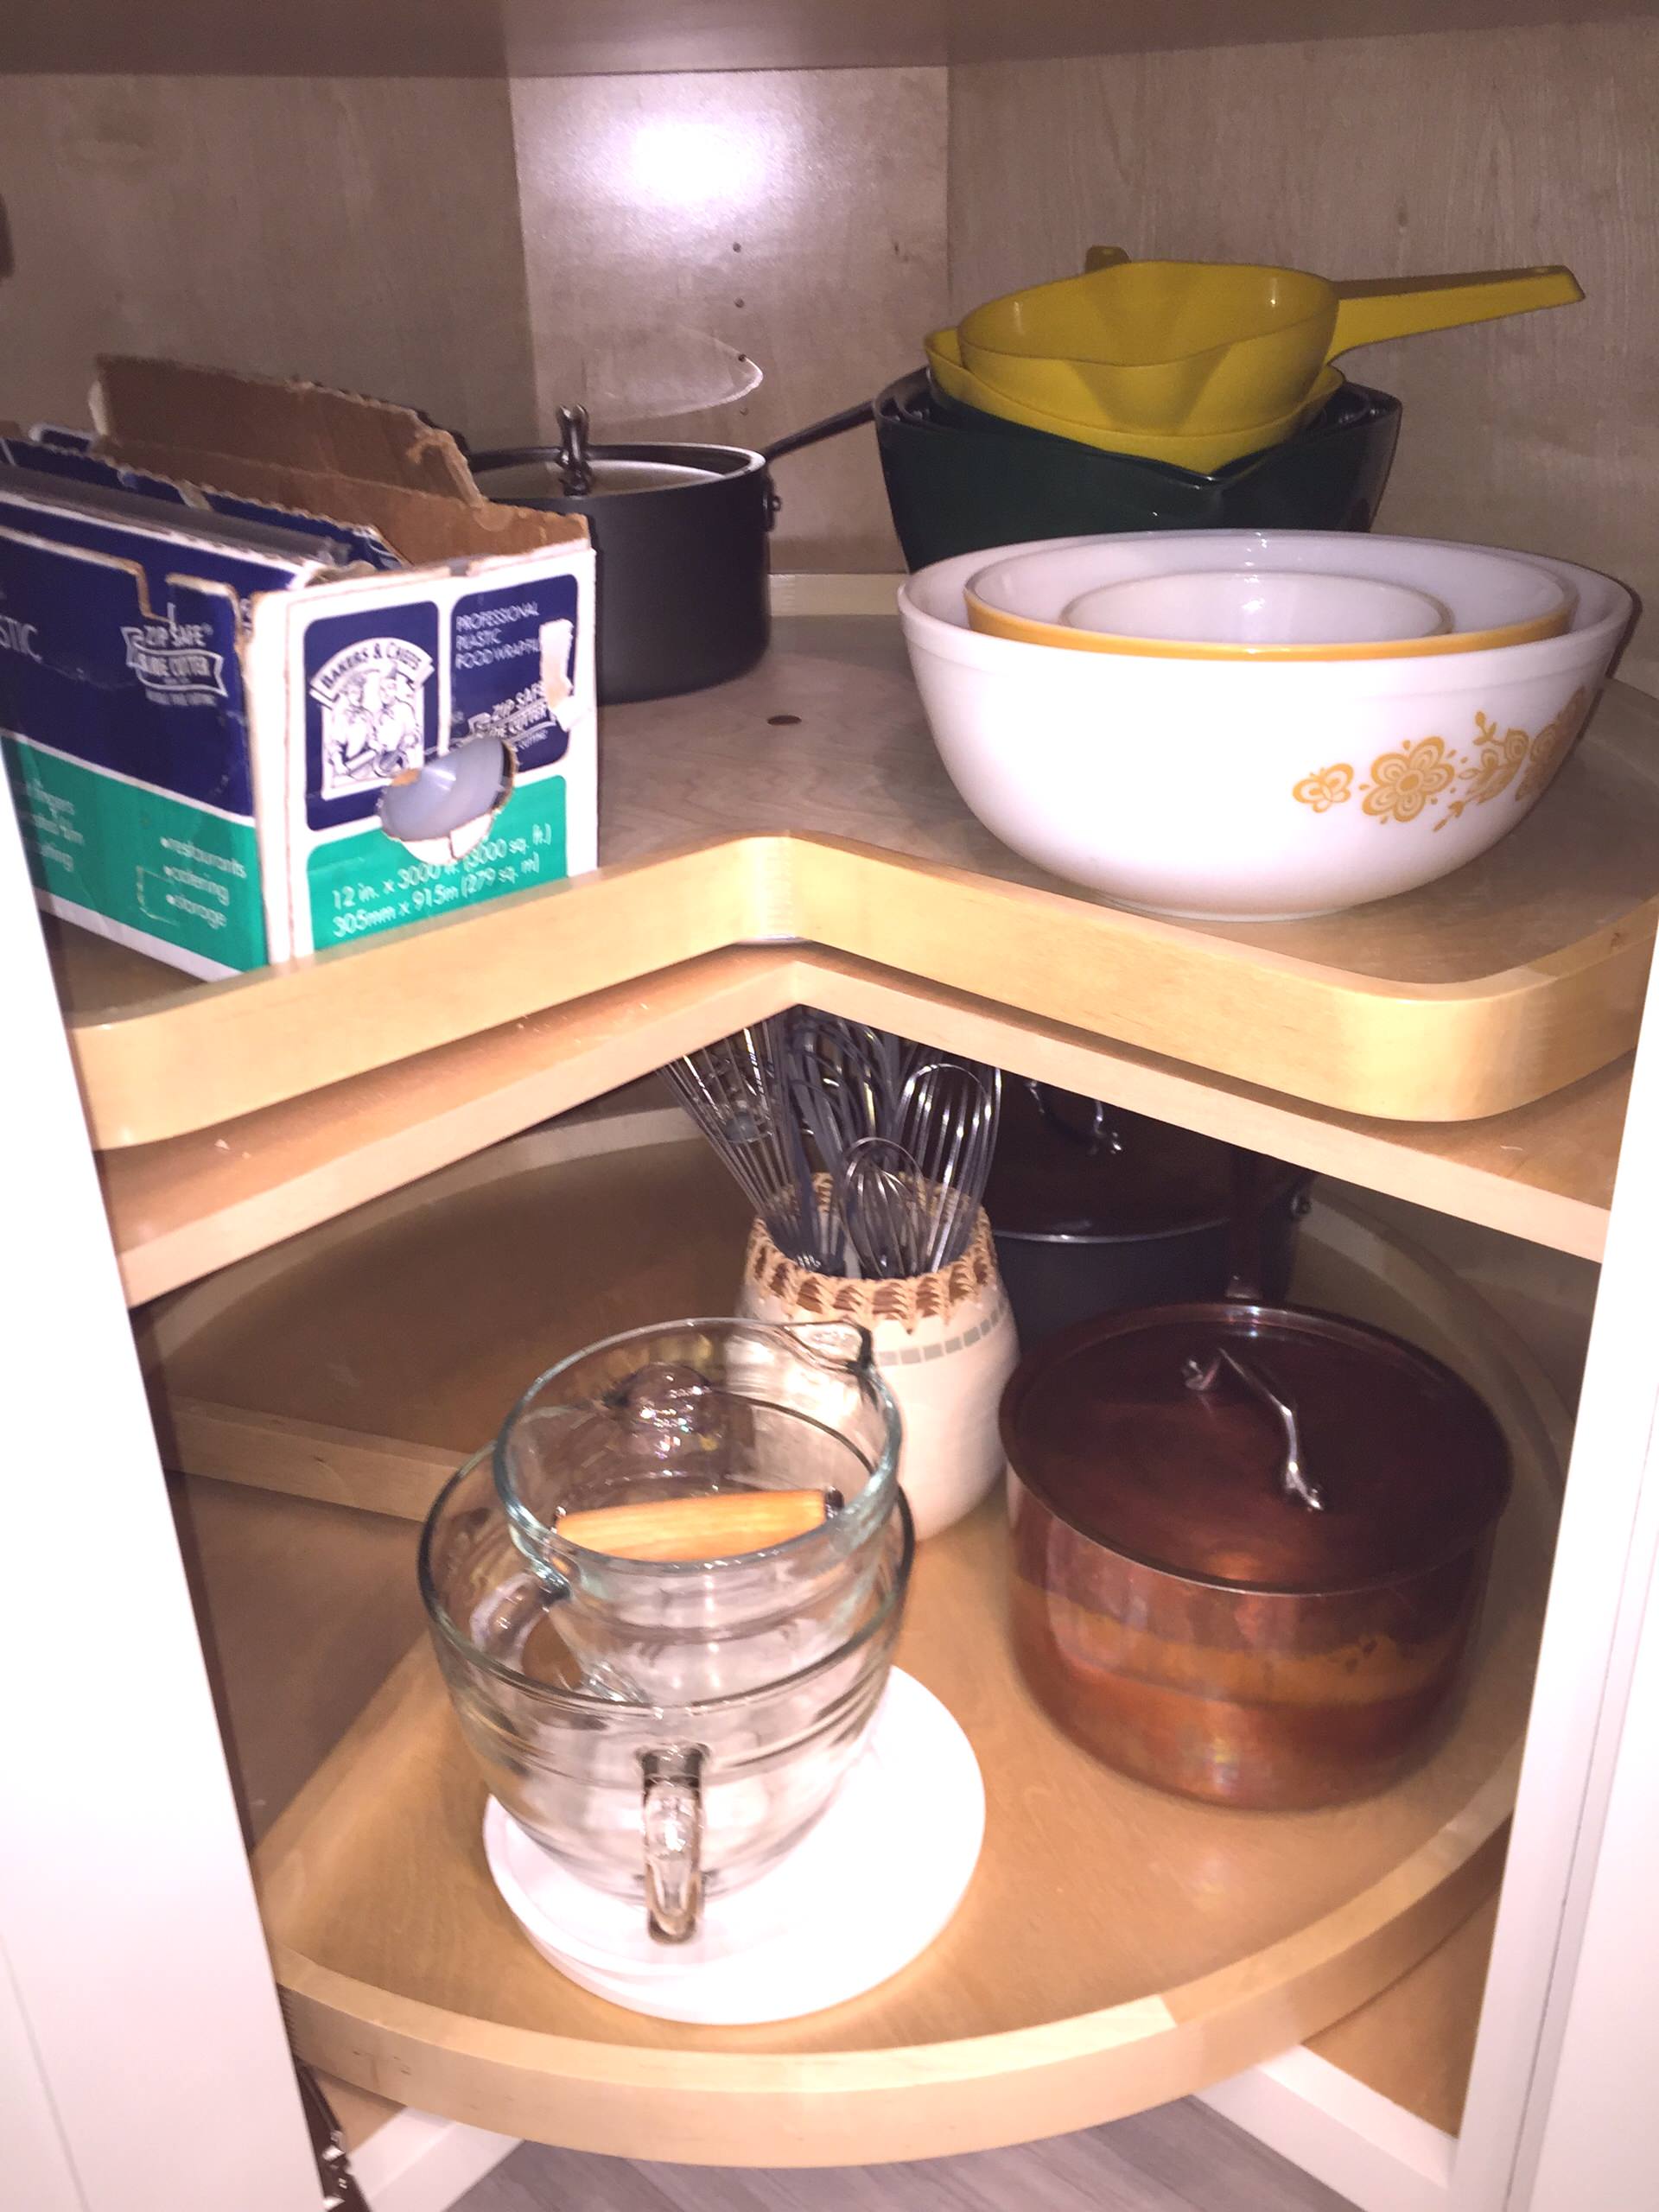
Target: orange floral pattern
x=1326, y=787
x=1402, y=784
x=1498, y=762
x=1551, y=746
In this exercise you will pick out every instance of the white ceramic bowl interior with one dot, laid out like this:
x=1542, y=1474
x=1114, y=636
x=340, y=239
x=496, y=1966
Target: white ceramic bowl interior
x=1248, y=609
x=1241, y=790
x=1483, y=589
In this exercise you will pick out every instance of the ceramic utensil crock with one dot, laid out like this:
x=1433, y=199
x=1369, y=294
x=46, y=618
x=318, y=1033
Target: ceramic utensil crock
x=944, y=1344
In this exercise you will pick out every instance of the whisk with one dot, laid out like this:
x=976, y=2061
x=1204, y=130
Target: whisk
x=880, y=1192
x=736, y=1092
x=846, y=1082
x=904, y=1136
x=947, y=1125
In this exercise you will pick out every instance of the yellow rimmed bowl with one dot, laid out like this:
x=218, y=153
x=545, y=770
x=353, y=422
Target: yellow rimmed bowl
x=1490, y=598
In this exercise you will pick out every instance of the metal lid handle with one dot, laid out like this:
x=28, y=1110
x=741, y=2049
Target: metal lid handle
x=575, y=470
x=1293, y=1482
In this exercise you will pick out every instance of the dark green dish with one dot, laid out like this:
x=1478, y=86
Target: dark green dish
x=958, y=480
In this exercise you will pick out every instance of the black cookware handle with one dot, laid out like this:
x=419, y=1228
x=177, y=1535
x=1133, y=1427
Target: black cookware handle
x=1100, y=1135
x=1252, y=1186
x=832, y=427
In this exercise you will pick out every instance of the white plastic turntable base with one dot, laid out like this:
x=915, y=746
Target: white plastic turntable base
x=893, y=1855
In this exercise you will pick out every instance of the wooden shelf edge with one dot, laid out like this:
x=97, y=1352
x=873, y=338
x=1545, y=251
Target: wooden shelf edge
x=690, y=2108
x=263, y=1040
x=1543, y=1173
x=179, y=1210
x=1330, y=1038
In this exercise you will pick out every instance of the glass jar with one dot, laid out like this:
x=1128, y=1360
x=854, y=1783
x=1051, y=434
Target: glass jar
x=660, y=1800
x=695, y=1409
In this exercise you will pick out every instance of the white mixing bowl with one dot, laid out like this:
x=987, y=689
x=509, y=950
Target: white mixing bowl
x=1255, y=614
x=1220, y=790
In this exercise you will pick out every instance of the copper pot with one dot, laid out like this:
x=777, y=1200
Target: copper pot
x=1250, y=1545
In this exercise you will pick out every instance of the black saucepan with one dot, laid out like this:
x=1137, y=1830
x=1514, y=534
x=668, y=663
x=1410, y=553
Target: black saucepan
x=681, y=535
x=1094, y=1208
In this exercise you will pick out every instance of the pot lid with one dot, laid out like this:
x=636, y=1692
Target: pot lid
x=572, y=474
x=1189, y=1438
x=608, y=476
x=1069, y=1167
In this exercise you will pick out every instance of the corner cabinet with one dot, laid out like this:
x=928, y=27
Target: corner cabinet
x=1464, y=2023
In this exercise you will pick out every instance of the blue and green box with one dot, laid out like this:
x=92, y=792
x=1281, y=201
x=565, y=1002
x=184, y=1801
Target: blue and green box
x=201, y=713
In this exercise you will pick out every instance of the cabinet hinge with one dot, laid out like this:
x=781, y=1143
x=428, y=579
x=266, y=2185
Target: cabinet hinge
x=339, y=2190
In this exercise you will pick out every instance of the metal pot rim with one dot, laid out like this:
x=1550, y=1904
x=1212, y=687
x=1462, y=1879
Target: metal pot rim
x=724, y=464
x=1297, y=1181
x=1087, y=1238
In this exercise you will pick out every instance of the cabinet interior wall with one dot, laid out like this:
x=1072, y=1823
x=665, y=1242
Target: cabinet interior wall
x=1376, y=157
x=486, y=248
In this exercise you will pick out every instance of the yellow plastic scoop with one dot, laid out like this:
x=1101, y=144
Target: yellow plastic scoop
x=1202, y=451
x=1194, y=348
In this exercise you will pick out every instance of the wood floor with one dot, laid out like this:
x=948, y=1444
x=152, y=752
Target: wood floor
x=1179, y=2158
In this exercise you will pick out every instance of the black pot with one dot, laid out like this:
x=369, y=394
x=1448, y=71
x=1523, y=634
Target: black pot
x=680, y=532
x=1095, y=1209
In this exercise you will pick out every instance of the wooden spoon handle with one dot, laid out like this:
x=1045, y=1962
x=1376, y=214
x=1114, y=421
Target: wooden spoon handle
x=721, y=1527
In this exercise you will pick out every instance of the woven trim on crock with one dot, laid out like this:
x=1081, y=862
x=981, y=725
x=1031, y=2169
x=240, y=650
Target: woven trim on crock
x=907, y=1300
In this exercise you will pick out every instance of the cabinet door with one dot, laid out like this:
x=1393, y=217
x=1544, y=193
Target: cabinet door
x=1557, y=2117
x=1598, y=2144
x=159, y=2078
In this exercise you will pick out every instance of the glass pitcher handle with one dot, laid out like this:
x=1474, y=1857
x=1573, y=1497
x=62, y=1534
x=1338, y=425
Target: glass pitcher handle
x=671, y=1822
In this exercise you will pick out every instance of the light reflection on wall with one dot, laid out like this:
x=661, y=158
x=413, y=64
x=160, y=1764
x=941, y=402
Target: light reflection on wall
x=689, y=162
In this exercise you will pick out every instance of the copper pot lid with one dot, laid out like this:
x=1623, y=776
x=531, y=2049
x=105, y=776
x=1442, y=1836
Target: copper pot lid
x=1074, y=1169
x=1264, y=1448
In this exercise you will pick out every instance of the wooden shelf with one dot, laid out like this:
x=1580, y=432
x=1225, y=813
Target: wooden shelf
x=393, y=1072
x=1119, y=1948
x=179, y=1210
x=273, y=1578
x=1513, y=977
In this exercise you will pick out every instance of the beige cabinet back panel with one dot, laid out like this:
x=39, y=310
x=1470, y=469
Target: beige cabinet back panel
x=359, y=230
x=1367, y=157
x=679, y=229
x=487, y=250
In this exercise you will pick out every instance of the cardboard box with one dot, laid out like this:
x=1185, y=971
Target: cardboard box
x=214, y=666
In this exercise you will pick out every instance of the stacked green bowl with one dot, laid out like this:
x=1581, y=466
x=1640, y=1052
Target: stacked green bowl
x=958, y=480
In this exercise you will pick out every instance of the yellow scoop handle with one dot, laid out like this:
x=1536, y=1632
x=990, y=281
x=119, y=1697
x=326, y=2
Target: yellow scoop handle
x=1402, y=306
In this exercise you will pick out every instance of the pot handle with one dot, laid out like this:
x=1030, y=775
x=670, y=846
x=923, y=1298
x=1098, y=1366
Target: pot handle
x=672, y=1824
x=1102, y=1134
x=1293, y=1483
x=832, y=427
